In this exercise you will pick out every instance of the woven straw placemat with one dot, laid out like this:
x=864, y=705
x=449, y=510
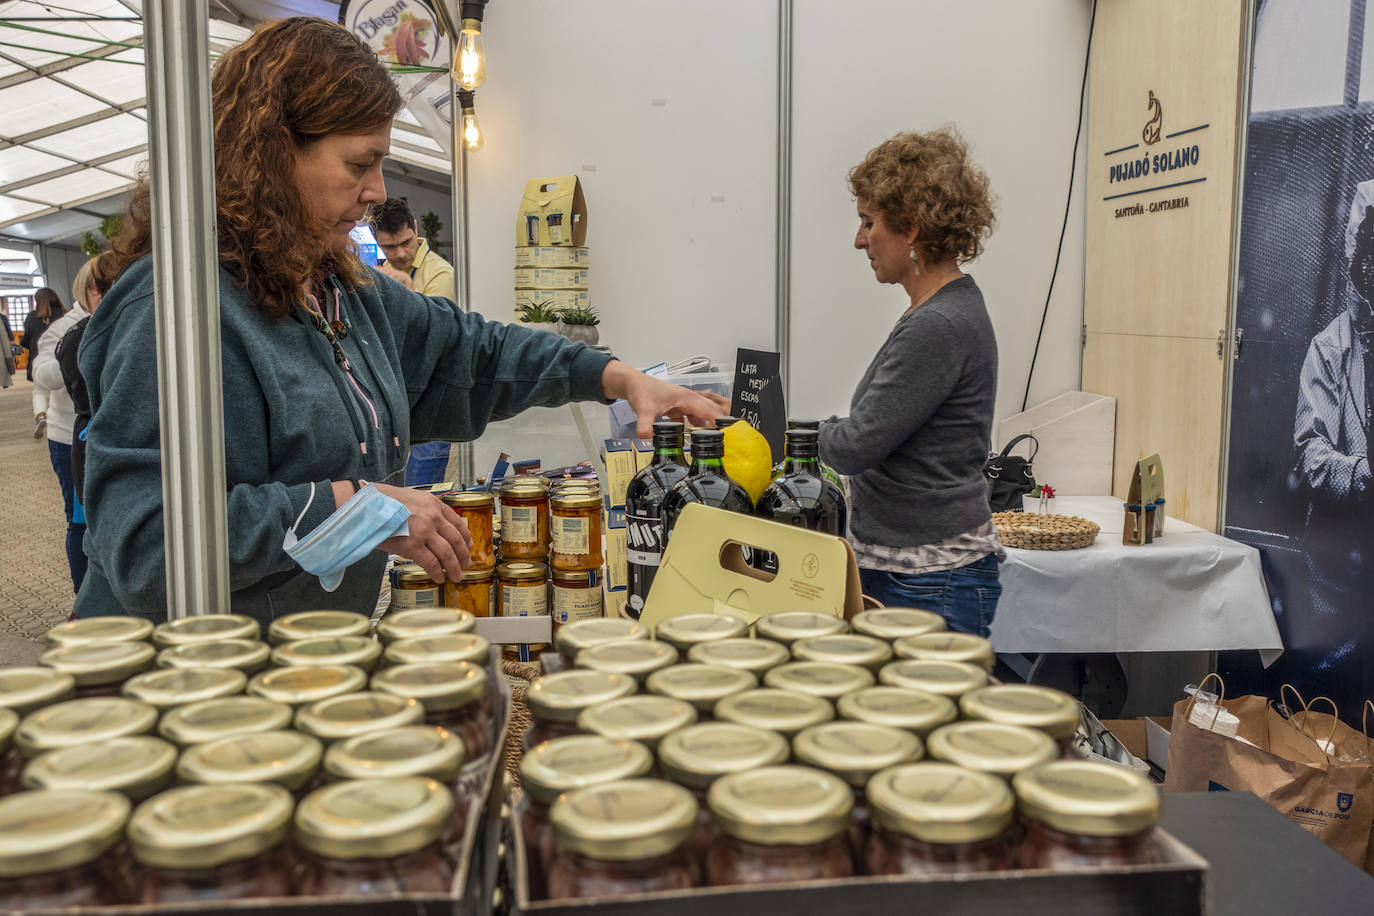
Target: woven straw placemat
x=1030, y=531
x=519, y=716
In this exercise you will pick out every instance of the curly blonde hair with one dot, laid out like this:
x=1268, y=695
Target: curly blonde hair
x=928, y=180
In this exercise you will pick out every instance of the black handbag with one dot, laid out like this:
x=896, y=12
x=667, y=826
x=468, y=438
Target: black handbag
x=1011, y=476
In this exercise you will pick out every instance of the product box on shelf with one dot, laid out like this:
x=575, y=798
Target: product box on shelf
x=619, y=455
x=545, y=278
x=617, y=557
x=552, y=212
x=552, y=257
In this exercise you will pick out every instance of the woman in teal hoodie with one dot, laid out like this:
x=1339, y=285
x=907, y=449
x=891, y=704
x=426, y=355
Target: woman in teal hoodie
x=330, y=369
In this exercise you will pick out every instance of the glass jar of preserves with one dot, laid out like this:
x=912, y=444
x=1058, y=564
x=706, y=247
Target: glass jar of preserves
x=475, y=594
x=948, y=647
x=454, y=695
x=1043, y=708
x=938, y=819
x=205, y=628
x=524, y=593
x=576, y=597
x=76, y=722
x=946, y=679
x=477, y=510
x=57, y=849
x=779, y=824
x=821, y=679
x=415, y=750
x=643, y=718
x=208, y=720
x=638, y=658
x=218, y=842
x=844, y=649
x=525, y=519
x=620, y=838
x=783, y=711
x=1083, y=813
x=575, y=531
x=285, y=758
x=357, y=714
x=898, y=707
x=787, y=627
x=701, y=685
x=98, y=630
x=572, y=638
x=27, y=689
x=301, y=685
x=10, y=768
x=556, y=700
x=136, y=767
x=892, y=623
x=688, y=630
x=365, y=837
x=453, y=647
x=359, y=651
x=990, y=747
x=247, y=655
x=413, y=589
x=168, y=687
x=757, y=656
x=399, y=625
x=99, y=668
x=317, y=624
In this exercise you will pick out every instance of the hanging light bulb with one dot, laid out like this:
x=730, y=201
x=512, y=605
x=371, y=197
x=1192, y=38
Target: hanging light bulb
x=470, y=58
x=472, y=131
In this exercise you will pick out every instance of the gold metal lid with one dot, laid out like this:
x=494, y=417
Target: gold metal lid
x=701, y=685
x=1051, y=711
x=50, y=830
x=469, y=499
x=289, y=759
x=559, y=697
x=514, y=486
x=781, y=805
x=698, y=755
x=895, y=622
x=1086, y=797
x=414, y=750
x=574, y=637
x=753, y=655
x=412, y=573
x=357, y=714
x=784, y=711
x=27, y=689
x=168, y=687
x=451, y=647
x=551, y=768
x=914, y=710
x=247, y=655
x=787, y=627
x=621, y=821
x=98, y=663
x=844, y=649
x=9, y=719
x=636, y=657
x=820, y=679
x=949, y=646
x=522, y=571
x=947, y=679
x=854, y=751
x=438, y=685
x=299, y=685
x=359, y=651
x=225, y=717
x=313, y=624
x=426, y=621
x=940, y=803
x=98, y=629
x=373, y=818
x=209, y=826
x=205, y=628
x=576, y=498
x=991, y=747
x=82, y=722
x=690, y=629
x=645, y=718
x=135, y=767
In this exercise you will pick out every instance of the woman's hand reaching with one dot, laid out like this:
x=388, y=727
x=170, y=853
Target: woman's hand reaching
x=652, y=398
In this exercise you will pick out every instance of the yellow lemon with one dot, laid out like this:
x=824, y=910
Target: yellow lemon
x=748, y=459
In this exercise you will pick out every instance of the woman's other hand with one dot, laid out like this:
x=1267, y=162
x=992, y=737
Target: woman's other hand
x=652, y=398
x=438, y=540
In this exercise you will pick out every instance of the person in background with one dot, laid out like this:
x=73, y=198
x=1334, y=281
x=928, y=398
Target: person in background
x=920, y=421
x=47, y=308
x=7, y=365
x=67, y=350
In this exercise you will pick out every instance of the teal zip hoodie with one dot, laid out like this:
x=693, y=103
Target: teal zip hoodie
x=417, y=368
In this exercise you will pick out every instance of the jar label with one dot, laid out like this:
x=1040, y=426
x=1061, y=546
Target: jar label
x=529, y=601
x=570, y=535
x=519, y=524
x=573, y=604
x=644, y=539
x=408, y=599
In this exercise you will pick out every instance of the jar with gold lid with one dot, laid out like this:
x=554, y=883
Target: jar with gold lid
x=524, y=593
x=135, y=767
x=357, y=714
x=627, y=837
x=414, y=750
x=286, y=758
x=301, y=685
x=892, y=623
x=475, y=593
x=555, y=700
x=947, y=679
x=212, y=842
x=100, y=668
x=205, y=628
x=575, y=531
x=991, y=747
x=756, y=656
x=638, y=658
x=701, y=685
x=844, y=649
x=821, y=679
x=477, y=510
x=317, y=624
x=453, y=647
x=26, y=689
x=91, y=630
x=226, y=717
x=359, y=651
x=11, y=767
x=368, y=837
x=572, y=638
x=399, y=625
x=938, y=819
x=644, y=718
x=1084, y=813
x=787, y=627
x=525, y=519
x=576, y=597
x=413, y=589
x=688, y=630
x=1043, y=708
x=454, y=695
x=898, y=707
x=783, y=711
x=168, y=687
x=779, y=824
x=949, y=646
x=247, y=655
x=58, y=849
x=76, y=722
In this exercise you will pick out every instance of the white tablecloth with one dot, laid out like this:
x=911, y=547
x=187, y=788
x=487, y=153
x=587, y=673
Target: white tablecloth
x=1191, y=590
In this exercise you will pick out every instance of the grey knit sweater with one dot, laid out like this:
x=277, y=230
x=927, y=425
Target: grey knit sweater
x=919, y=425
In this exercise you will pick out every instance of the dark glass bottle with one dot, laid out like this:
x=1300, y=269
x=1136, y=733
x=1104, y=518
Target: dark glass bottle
x=827, y=471
x=643, y=515
x=706, y=483
x=802, y=496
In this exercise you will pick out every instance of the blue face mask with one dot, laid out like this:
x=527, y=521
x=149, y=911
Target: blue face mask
x=347, y=536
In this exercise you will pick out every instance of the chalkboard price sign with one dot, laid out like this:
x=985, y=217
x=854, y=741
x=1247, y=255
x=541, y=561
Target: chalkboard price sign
x=758, y=397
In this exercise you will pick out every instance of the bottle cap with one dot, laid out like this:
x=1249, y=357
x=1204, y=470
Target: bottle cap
x=781, y=805
x=208, y=826
x=630, y=819
x=940, y=803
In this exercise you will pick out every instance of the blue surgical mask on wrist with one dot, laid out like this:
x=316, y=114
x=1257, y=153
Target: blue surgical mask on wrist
x=346, y=536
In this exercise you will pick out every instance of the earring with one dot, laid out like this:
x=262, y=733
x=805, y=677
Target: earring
x=915, y=258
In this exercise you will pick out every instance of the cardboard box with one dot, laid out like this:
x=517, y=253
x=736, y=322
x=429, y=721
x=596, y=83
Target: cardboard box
x=1146, y=737
x=619, y=456
x=553, y=257
x=1144, y=521
x=617, y=600
x=553, y=213
x=644, y=453
x=617, y=555
x=551, y=277
x=552, y=298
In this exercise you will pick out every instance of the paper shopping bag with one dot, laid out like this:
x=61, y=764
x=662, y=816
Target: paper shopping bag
x=1340, y=741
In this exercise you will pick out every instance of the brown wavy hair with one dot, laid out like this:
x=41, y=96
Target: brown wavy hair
x=928, y=180
x=291, y=83
x=48, y=305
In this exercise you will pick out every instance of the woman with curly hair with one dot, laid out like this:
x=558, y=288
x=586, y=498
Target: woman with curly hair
x=330, y=369
x=917, y=433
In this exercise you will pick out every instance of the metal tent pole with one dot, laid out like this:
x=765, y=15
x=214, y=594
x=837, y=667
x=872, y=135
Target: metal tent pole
x=462, y=271
x=783, y=237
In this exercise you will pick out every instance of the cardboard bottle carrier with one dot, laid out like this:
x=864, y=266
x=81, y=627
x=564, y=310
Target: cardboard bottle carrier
x=553, y=212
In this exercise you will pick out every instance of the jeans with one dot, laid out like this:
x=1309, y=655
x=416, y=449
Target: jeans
x=61, y=456
x=965, y=596
x=426, y=463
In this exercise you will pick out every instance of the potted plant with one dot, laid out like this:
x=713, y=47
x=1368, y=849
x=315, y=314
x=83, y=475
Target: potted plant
x=540, y=316
x=1040, y=500
x=580, y=324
